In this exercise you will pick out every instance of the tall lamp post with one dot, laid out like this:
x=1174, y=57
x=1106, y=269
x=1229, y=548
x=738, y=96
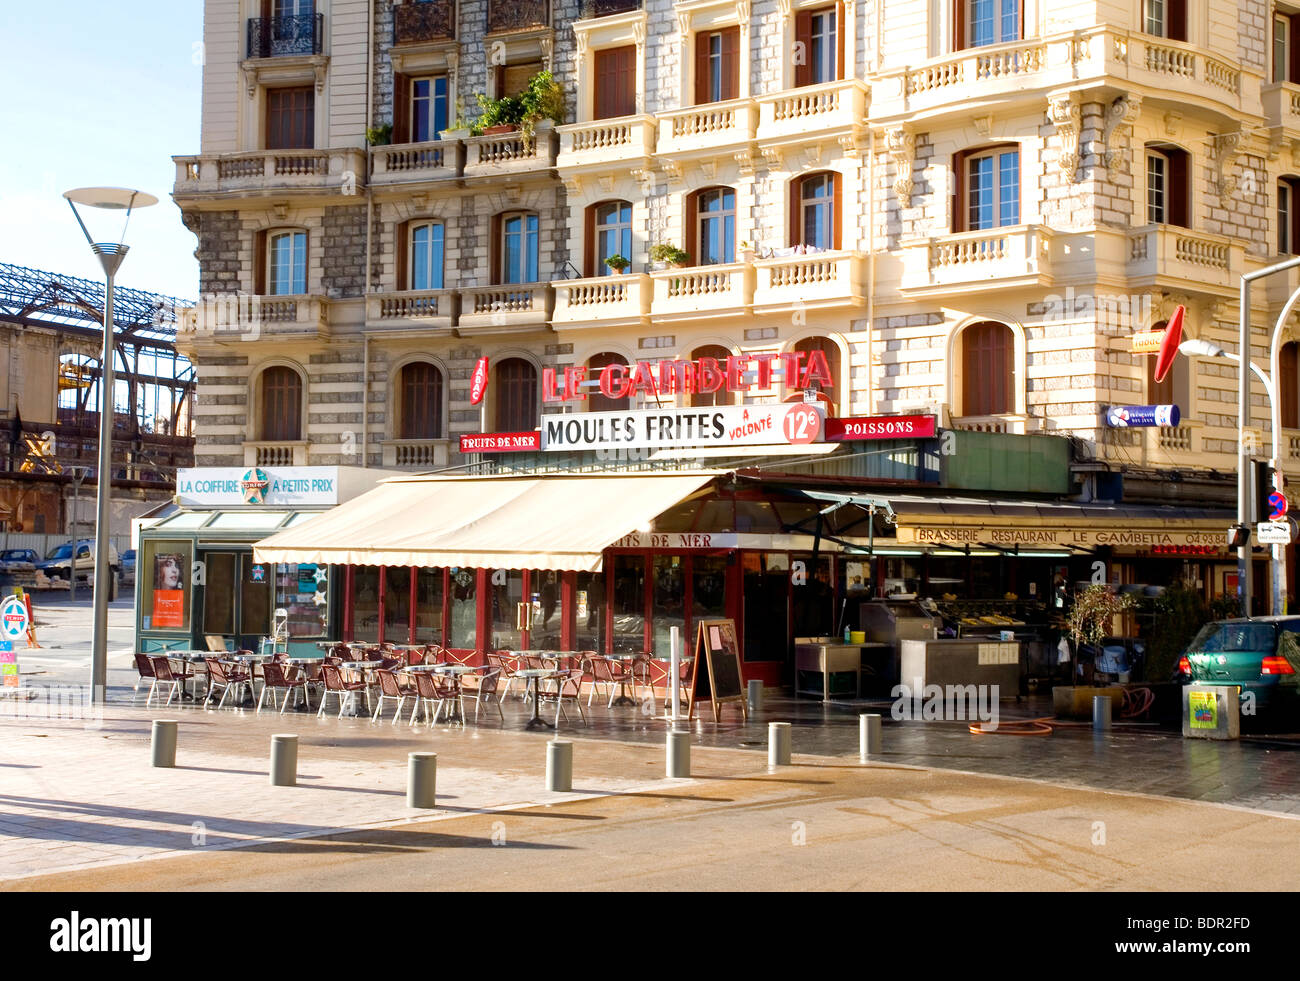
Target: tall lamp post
x=110, y=256
x=78, y=475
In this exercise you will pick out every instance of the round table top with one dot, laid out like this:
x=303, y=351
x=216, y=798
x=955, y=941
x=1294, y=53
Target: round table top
x=441, y=668
x=362, y=665
x=536, y=673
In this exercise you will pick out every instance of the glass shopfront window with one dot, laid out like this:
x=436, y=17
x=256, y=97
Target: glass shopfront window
x=365, y=603
x=165, y=600
x=302, y=591
x=464, y=596
x=506, y=595
x=669, y=609
x=589, y=607
x=397, y=604
x=428, y=606
x=629, y=604
x=547, y=617
x=255, y=583
x=708, y=588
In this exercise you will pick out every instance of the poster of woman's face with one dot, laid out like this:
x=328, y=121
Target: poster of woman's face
x=167, y=571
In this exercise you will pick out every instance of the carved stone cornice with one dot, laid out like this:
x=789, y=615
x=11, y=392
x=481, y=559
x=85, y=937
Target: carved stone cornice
x=1123, y=111
x=1064, y=113
x=902, y=147
x=1227, y=146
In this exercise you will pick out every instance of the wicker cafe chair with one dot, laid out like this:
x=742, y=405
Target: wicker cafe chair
x=277, y=680
x=486, y=691
x=344, y=691
x=507, y=664
x=567, y=685
x=227, y=677
x=162, y=671
x=429, y=689
x=145, y=669
x=389, y=687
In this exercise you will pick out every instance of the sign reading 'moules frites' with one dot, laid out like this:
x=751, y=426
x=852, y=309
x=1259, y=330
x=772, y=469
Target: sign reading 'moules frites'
x=731, y=425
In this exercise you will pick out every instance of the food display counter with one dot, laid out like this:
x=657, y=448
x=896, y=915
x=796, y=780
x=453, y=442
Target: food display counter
x=834, y=667
x=963, y=661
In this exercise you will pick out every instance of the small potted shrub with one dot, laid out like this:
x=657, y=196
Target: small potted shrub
x=380, y=135
x=666, y=254
x=618, y=263
x=499, y=116
x=460, y=127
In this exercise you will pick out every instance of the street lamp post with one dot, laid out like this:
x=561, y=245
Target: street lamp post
x=110, y=256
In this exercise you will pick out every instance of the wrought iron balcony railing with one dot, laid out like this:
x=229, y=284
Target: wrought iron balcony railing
x=517, y=15
x=428, y=20
x=276, y=37
x=606, y=8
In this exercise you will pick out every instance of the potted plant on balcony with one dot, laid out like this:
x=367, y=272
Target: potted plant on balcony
x=746, y=251
x=543, y=103
x=618, y=263
x=666, y=254
x=460, y=127
x=499, y=116
x=380, y=135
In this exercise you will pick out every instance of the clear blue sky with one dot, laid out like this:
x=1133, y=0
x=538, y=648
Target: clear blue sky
x=98, y=94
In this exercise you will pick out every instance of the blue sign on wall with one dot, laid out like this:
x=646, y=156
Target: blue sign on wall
x=1121, y=416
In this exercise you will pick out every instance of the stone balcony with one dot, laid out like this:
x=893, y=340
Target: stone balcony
x=510, y=154
x=241, y=317
x=702, y=291
x=1282, y=107
x=412, y=310
x=504, y=308
x=338, y=171
x=278, y=453
x=409, y=163
x=603, y=301
x=416, y=454
x=818, y=280
x=607, y=144
x=1168, y=255
x=812, y=114
x=976, y=78
x=715, y=128
x=964, y=262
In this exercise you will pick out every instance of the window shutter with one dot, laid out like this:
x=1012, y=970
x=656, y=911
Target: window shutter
x=803, y=36
x=702, y=68
x=796, y=211
x=958, y=24
x=840, y=30
x=1293, y=49
x=589, y=243
x=1177, y=20
x=837, y=220
x=402, y=243
x=1177, y=190
x=259, y=264
x=627, y=81
x=959, y=216
x=692, y=227
x=401, y=108
x=731, y=63
x=494, y=248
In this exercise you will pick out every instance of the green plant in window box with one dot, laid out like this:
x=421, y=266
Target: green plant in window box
x=618, y=263
x=379, y=135
x=667, y=254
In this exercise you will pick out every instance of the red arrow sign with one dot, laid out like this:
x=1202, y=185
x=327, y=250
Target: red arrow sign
x=1169, y=346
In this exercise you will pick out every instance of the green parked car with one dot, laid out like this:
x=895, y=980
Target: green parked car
x=1261, y=656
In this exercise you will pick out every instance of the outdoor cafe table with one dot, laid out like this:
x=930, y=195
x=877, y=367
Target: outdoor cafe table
x=534, y=677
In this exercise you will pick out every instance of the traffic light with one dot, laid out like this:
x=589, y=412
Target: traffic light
x=1238, y=535
x=1262, y=474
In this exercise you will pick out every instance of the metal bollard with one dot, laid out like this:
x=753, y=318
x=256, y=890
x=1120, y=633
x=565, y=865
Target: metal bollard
x=868, y=734
x=559, y=765
x=1100, y=712
x=163, y=742
x=679, y=754
x=421, y=780
x=755, y=695
x=778, y=744
x=284, y=760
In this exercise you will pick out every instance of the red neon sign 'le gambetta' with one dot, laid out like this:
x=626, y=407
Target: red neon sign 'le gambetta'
x=797, y=369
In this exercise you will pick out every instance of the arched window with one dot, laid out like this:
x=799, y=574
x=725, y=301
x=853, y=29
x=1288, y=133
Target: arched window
x=721, y=396
x=596, y=402
x=831, y=351
x=609, y=233
x=1288, y=389
x=281, y=404
x=815, y=211
x=711, y=226
x=515, y=247
x=516, y=396
x=987, y=371
x=420, y=395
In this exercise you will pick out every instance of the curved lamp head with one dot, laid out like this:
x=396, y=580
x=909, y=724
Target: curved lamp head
x=1205, y=349
x=125, y=199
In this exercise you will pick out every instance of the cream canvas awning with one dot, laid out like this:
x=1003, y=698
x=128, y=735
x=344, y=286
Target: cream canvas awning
x=561, y=522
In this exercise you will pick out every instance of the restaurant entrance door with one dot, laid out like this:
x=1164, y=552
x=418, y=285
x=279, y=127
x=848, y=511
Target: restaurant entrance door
x=236, y=597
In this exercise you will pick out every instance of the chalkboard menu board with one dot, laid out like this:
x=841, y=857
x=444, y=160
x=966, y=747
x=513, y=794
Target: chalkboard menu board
x=716, y=647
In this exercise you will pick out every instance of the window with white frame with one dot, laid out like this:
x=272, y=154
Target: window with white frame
x=1167, y=185
x=817, y=221
x=518, y=248
x=613, y=231
x=428, y=107
x=990, y=22
x=1165, y=18
x=991, y=182
x=716, y=226
x=287, y=263
x=427, y=251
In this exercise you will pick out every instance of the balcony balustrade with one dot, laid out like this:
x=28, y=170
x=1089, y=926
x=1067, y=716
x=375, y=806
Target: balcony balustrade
x=279, y=37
